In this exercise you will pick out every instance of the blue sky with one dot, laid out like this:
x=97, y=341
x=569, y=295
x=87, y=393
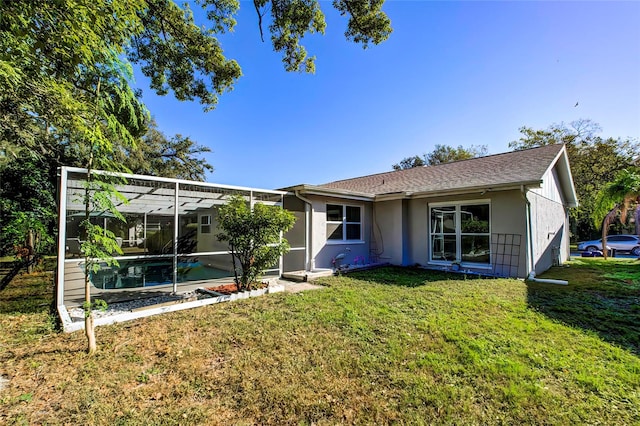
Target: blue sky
x=454, y=73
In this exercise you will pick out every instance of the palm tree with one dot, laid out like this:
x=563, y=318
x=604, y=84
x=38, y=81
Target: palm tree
x=615, y=200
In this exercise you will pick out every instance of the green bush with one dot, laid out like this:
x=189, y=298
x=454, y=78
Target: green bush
x=254, y=237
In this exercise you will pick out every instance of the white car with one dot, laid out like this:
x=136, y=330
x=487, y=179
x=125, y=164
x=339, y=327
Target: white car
x=628, y=243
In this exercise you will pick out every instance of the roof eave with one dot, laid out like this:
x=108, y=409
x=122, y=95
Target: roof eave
x=482, y=189
x=330, y=192
x=568, y=187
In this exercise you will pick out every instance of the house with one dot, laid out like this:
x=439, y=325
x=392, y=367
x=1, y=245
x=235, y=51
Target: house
x=502, y=215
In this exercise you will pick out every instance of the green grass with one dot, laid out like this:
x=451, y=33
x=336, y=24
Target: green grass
x=386, y=346
x=603, y=297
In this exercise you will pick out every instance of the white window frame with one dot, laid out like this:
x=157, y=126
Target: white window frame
x=458, y=233
x=344, y=224
x=202, y=225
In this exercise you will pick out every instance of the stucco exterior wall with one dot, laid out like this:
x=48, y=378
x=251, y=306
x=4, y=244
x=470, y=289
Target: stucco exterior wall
x=418, y=231
x=391, y=229
x=508, y=216
x=323, y=251
x=549, y=228
x=399, y=230
x=550, y=187
x=209, y=242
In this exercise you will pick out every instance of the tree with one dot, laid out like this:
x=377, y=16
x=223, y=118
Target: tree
x=99, y=244
x=616, y=200
x=594, y=162
x=446, y=154
x=442, y=154
x=48, y=51
x=100, y=194
x=579, y=132
x=27, y=219
x=55, y=55
x=175, y=157
x=254, y=236
x=409, y=163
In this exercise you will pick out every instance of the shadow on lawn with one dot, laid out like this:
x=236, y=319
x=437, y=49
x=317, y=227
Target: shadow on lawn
x=26, y=297
x=601, y=297
x=409, y=276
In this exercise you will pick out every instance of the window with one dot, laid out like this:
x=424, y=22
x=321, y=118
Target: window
x=618, y=238
x=205, y=224
x=460, y=232
x=344, y=223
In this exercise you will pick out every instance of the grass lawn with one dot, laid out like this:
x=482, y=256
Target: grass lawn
x=386, y=346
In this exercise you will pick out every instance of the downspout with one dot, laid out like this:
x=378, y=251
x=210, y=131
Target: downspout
x=528, y=229
x=529, y=241
x=308, y=210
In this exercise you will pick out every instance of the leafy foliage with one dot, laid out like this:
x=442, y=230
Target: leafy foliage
x=409, y=163
x=55, y=57
x=616, y=200
x=619, y=194
x=175, y=157
x=254, y=237
x=26, y=198
x=177, y=54
x=594, y=162
x=442, y=154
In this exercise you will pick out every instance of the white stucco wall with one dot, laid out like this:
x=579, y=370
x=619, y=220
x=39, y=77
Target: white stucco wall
x=323, y=251
x=550, y=188
x=209, y=242
x=507, y=217
x=550, y=230
x=390, y=224
x=400, y=231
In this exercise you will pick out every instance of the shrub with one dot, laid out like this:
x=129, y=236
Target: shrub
x=254, y=237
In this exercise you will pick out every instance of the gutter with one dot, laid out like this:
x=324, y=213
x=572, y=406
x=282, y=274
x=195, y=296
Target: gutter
x=523, y=192
x=473, y=189
x=330, y=192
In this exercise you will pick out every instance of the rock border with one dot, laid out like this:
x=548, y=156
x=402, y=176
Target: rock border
x=75, y=323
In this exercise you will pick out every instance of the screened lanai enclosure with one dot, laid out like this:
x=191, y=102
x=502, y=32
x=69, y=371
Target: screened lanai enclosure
x=169, y=239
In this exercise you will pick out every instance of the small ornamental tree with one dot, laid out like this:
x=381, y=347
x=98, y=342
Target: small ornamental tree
x=100, y=193
x=99, y=244
x=254, y=236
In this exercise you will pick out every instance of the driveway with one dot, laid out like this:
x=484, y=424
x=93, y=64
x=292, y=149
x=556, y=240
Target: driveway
x=618, y=255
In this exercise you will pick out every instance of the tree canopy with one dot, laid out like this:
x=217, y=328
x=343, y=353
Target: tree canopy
x=441, y=154
x=173, y=157
x=616, y=199
x=52, y=55
x=66, y=69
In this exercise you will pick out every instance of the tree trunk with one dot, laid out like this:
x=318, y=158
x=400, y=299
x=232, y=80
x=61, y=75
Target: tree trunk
x=30, y=248
x=90, y=332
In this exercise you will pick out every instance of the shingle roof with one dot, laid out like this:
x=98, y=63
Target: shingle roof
x=515, y=168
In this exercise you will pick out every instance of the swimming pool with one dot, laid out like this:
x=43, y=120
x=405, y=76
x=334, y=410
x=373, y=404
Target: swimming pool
x=148, y=273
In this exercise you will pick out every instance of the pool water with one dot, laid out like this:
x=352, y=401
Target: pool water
x=148, y=273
